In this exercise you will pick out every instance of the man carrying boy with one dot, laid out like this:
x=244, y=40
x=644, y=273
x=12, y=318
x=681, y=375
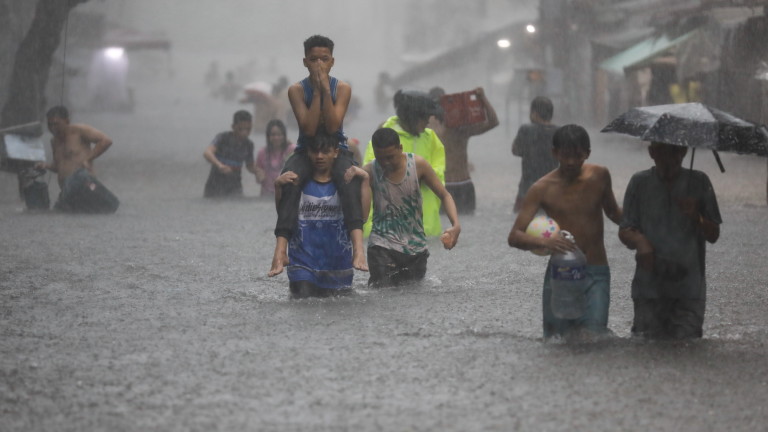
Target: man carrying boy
x=397, y=246
x=227, y=154
x=320, y=252
x=533, y=143
x=319, y=103
x=575, y=195
x=669, y=213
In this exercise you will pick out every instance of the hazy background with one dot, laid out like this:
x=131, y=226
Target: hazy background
x=262, y=40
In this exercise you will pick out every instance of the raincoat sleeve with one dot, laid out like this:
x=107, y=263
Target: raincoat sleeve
x=368, y=153
x=437, y=156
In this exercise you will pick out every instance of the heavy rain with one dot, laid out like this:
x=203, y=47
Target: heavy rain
x=161, y=316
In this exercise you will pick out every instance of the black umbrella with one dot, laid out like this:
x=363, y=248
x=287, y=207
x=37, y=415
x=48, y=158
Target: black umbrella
x=693, y=125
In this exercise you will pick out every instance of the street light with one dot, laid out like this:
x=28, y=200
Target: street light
x=504, y=43
x=530, y=28
x=114, y=53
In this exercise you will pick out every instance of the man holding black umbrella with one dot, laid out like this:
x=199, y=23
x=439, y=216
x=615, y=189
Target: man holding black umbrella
x=669, y=213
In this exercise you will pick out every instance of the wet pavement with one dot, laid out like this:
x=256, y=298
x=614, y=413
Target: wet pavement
x=161, y=317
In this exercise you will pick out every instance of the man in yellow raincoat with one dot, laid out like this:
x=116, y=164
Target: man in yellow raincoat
x=413, y=112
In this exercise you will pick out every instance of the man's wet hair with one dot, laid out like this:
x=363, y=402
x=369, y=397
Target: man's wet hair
x=385, y=137
x=317, y=41
x=241, y=116
x=411, y=106
x=543, y=107
x=323, y=141
x=59, y=111
x=571, y=136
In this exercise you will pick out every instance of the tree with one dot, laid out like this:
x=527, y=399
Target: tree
x=26, y=98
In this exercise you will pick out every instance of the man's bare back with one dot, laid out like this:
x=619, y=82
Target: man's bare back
x=455, y=142
x=71, y=145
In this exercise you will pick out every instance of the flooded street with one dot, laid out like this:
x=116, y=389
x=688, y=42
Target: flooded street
x=161, y=317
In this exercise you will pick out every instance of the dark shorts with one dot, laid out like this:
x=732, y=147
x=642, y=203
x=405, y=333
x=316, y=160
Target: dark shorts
x=668, y=318
x=83, y=193
x=306, y=289
x=391, y=268
x=463, y=194
x=223, y=185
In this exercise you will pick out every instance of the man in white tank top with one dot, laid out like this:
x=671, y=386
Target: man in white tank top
x=397, y=247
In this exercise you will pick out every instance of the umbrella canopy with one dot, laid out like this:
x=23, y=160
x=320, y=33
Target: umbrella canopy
x=692, y=125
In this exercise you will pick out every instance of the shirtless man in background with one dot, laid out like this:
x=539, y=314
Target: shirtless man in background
x=457, y=180
x=74, y=147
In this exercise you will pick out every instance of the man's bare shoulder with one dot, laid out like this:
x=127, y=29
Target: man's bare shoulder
x=81, y=129
x=295, y=89
x=597, y=172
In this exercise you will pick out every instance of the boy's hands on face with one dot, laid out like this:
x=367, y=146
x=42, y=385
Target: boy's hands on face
x=319, y=74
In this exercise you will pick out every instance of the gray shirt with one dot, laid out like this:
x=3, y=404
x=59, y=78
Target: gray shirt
x=679, y=248
x=533, y=144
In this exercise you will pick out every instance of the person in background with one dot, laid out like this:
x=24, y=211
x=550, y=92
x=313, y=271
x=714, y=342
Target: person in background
x=414, y=109
x=669, y=214
x=455, y=139
x=227, y=154
x=533, y=144
x=271, y=158
x=74, y=147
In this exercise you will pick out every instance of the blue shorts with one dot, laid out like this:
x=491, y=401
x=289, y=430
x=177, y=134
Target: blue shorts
x=595, y=319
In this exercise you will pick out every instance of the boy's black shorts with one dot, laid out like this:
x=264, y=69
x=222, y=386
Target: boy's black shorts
x=391, y=268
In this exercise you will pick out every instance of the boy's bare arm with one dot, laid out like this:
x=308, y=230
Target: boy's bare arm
x=491, y=119
x=101, y=142
x=634, y=239
x=308, y=119
x=610, y=206
x=428, y=176
x=518, y=238
x=365, y=187
x=334, y=112
x=283, y=179
x=210, y=156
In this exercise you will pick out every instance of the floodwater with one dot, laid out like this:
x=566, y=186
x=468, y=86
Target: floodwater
x=161, y=317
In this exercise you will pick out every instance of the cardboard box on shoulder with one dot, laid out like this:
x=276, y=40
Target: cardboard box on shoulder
x=462, y=109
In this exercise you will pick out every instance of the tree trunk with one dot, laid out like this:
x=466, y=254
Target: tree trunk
x=26, y=98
